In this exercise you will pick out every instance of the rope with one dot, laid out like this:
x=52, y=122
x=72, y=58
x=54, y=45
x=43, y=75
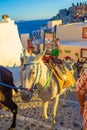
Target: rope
x=9, y=86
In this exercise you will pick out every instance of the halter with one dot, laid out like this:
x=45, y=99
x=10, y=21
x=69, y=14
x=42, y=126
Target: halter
x=38, y=77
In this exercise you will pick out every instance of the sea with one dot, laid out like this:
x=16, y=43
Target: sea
x=30, y=25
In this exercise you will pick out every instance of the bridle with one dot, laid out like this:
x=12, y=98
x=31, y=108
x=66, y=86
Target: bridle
x=39, y=74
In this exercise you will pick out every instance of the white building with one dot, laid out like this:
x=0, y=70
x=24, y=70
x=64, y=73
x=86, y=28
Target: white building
x=73, y=38
x=24, y=39
x=10, y=44
x=72, y=32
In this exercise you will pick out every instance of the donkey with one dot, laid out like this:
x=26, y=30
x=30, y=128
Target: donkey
x=37, y=73
x=6, y=77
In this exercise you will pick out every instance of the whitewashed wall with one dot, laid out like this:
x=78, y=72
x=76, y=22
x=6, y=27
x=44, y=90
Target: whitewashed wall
x=10, y=44
x=53, y=23
x=70, y=50
x=71, y=32
x=24, y=38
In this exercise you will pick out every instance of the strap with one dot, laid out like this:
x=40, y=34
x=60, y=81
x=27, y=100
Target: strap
x=48, y=81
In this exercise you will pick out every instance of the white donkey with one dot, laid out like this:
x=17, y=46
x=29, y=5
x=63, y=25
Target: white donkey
x=37, y=73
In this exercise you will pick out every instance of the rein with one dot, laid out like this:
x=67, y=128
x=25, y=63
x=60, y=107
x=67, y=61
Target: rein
x=12, y=87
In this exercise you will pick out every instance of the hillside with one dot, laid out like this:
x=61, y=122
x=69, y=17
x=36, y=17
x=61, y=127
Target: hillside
x=75, y=13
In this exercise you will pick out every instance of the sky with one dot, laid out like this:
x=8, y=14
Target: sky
x=33, y=9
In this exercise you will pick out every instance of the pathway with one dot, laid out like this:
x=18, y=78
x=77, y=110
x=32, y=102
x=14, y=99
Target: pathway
x=30, y=115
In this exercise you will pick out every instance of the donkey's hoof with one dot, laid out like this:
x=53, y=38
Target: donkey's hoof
x=54, y=122
x=45, y=117
x=50, y=119
x=63, y=105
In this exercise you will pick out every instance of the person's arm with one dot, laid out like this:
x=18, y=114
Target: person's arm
x=81, y=99
x=81, y=91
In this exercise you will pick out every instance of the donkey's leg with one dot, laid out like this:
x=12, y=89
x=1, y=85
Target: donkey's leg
x=13, y=107
x=45, y=106
x=55, y=104
x=64, y=98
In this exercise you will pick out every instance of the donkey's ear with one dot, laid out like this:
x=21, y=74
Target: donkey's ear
x=40, y=56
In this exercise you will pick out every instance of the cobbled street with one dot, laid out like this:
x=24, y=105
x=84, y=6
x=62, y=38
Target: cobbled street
x=30, y=115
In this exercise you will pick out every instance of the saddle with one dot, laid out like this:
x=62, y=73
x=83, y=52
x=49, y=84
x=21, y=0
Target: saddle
x=56, y=75
x=63, y=76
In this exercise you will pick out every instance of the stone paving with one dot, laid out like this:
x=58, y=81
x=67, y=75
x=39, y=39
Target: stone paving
x=30, y=115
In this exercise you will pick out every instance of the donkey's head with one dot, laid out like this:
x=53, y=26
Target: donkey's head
x=32, y=72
